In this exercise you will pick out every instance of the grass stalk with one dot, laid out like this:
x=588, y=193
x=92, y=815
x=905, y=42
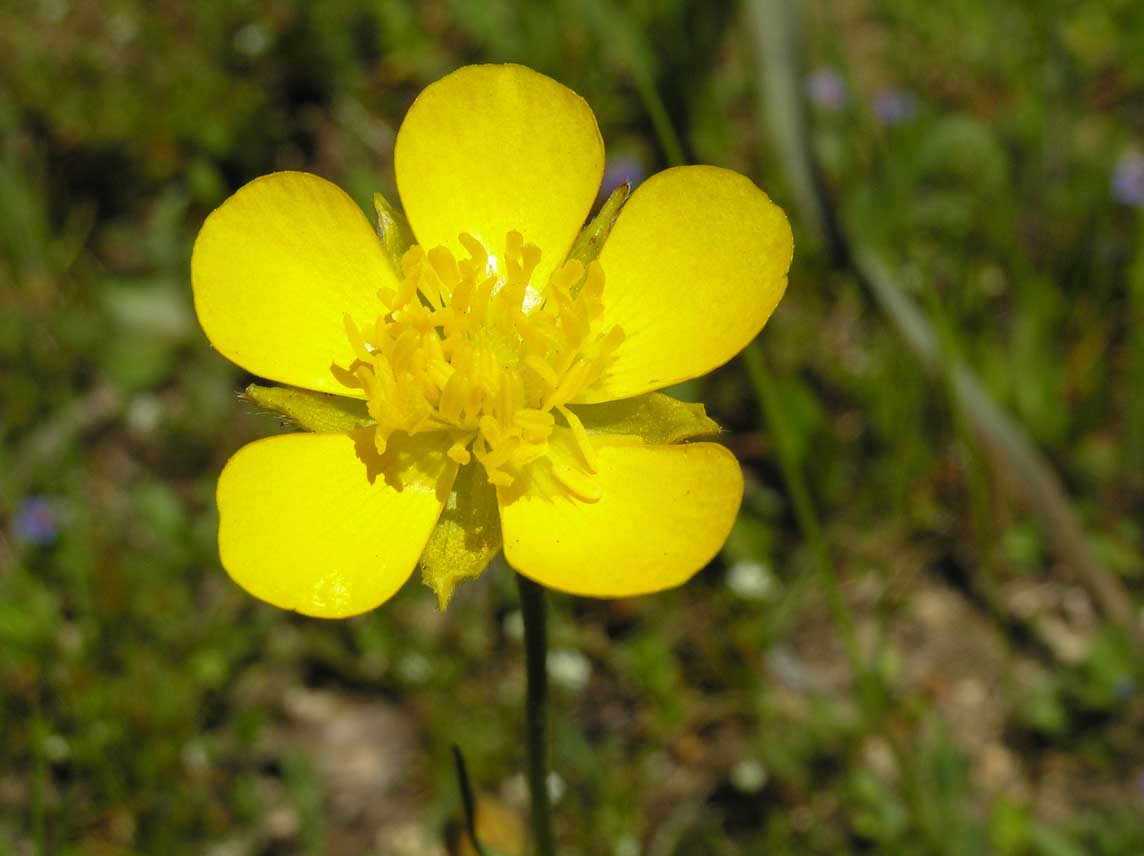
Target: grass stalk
x=533, y=609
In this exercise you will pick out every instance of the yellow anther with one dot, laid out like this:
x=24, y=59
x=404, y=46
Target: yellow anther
x=573, y=381
x=543, y=370
x=593, y=286
x=579, y=484
x=495, y=458
x=440, y=372
x=499, y=478
x=476, y=251
x=530, y=258
x=513, y=244
x=527, y=453
x=490, y=430
x=459, y=453
x=380, y=440
x=430, y=286
x=535, y=424
x=482, y=291
x=448, y=273
x=404, y=350
x=564, y=278
x=580, y=436
x=411, y=260
x=356, y=340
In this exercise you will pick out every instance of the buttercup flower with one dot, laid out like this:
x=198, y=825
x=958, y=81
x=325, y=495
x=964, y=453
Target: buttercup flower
x=493, y=384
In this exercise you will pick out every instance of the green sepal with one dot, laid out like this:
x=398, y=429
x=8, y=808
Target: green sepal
x=466, y=537
x=313, y=411
x=590, y=241
x=657, y=418
x=394, y=231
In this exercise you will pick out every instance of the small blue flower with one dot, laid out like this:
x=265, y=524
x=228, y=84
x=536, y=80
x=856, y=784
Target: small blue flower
x=625, y=168
x=1128, y=179
x=894, y=106
x=827, y=89
x=36, y=522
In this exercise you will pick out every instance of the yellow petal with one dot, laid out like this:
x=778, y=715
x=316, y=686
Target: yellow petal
x=663, y=513
x=694, y=266
x=320, y=524
x=491, y=149
x=277, y=267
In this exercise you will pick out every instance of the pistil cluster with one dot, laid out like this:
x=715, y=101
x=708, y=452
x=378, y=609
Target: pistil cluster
x=472, y=348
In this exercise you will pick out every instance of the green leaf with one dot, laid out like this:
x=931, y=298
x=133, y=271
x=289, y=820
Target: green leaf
x=467, y=535
x=396, y=236
x=313, y=411
x=655, y=417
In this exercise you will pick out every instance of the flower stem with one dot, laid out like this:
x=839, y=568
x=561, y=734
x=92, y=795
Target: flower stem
x=536, y=711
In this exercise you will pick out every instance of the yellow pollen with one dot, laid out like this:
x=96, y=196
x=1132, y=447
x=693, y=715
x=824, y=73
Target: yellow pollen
x=485, y=356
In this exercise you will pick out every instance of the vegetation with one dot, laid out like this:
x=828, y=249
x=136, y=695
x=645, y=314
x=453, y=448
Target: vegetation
x=892, y=655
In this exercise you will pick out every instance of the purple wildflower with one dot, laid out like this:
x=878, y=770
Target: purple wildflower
x=1128, y=179
x=894, y=106
x=624, y=168
x=827, y=89
x=36, y=522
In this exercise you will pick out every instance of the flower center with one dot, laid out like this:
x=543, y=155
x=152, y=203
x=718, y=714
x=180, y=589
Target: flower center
x=485, y=356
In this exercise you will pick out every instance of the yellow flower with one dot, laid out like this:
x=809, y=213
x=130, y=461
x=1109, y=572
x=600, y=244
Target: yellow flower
x=497, y=391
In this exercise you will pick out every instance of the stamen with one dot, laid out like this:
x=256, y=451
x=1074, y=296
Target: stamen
x=580, y=485
x=580, y=435
x=459, y=453
x=356, y=340
x=471, y=347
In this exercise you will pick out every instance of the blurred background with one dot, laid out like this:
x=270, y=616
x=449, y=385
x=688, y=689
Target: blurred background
x=923, y=635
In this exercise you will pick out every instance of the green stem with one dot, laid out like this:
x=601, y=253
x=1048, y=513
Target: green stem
x=536, y=712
